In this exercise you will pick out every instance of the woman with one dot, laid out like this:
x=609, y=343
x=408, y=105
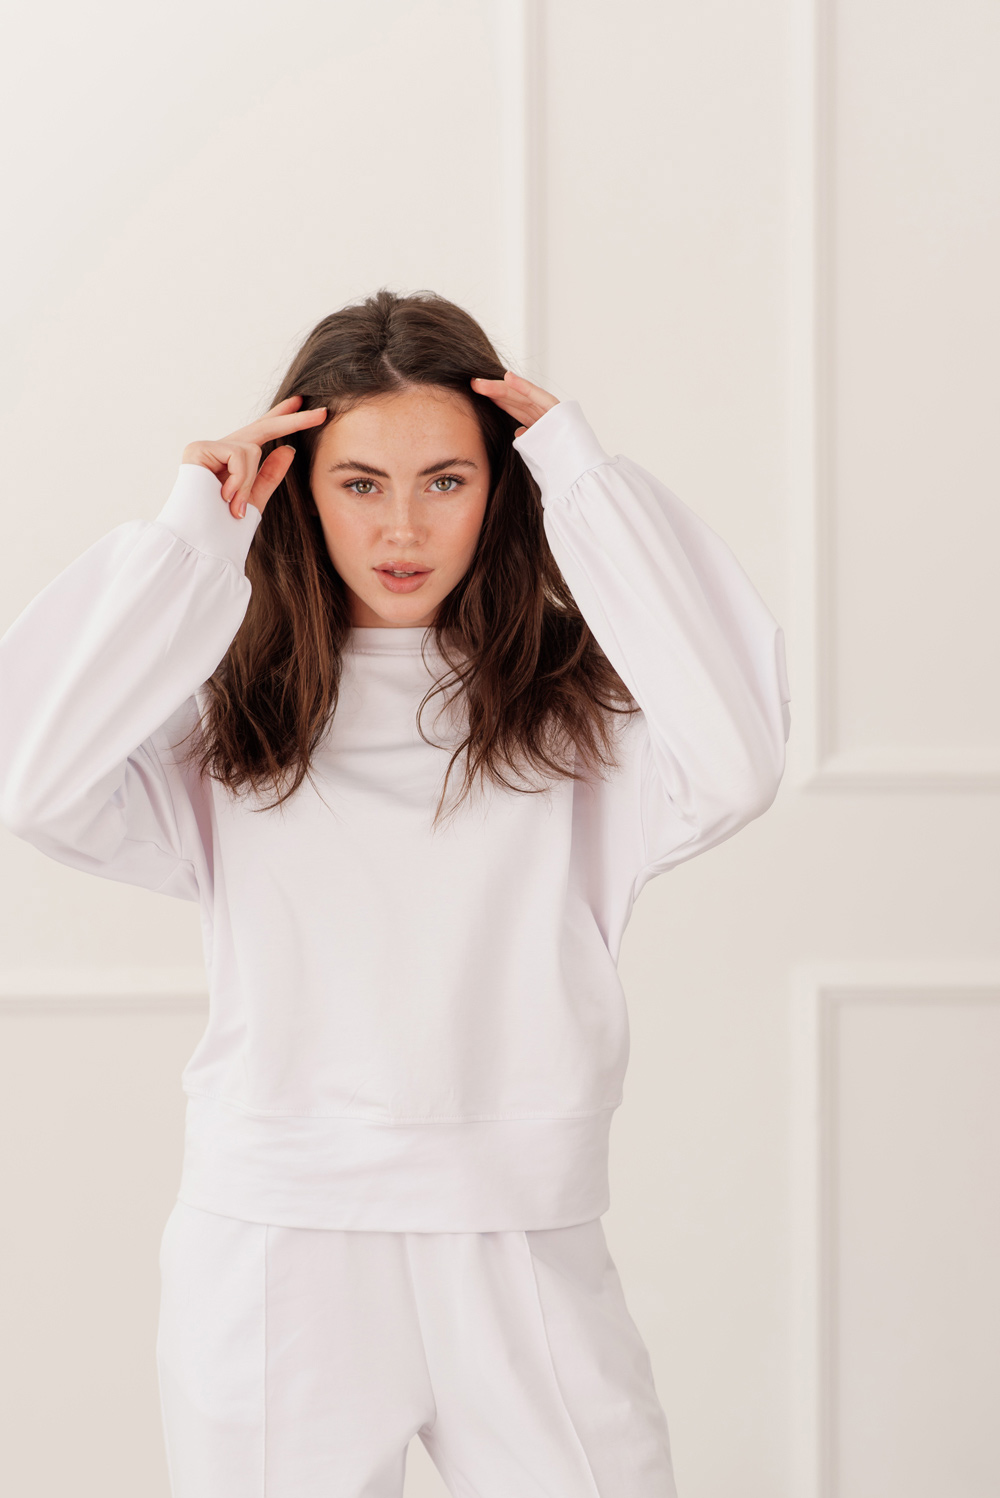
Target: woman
x=413, y=704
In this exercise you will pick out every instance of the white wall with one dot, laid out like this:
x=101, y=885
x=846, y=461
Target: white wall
x=759, y=245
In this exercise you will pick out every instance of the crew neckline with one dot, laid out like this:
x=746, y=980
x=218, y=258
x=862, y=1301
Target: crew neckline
x=377, y=639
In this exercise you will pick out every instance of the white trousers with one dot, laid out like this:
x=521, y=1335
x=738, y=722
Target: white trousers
x=299, y=1362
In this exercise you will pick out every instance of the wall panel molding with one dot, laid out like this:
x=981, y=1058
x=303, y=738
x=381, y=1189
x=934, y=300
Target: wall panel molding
x=819, y=994
x=92, y=991
x=518, y=27
x=815, y=762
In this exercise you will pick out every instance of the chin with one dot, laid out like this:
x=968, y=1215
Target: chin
x=403, y=613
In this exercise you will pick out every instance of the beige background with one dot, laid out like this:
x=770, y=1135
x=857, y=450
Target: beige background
x=759, y=244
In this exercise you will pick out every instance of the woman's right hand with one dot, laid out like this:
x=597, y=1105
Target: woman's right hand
x=247, y=480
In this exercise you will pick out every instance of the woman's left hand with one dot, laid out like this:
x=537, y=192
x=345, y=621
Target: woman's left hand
x=518, y=397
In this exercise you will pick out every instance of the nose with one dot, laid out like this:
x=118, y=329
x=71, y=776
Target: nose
x=402, y=525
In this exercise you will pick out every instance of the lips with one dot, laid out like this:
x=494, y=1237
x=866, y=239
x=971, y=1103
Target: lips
x=402, y=584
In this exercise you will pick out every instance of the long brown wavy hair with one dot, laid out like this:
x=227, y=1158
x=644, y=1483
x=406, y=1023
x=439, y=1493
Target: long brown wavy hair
x=536, y=685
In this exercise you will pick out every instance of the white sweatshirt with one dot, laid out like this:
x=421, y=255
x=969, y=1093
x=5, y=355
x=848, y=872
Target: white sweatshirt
x=408, y=1029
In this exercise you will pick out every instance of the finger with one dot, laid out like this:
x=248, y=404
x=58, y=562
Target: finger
x=515, y=402
x=253, y=456
x=242, y=461
x=521, y=410
x=492, y=388
x=517, y=384
x=236, y=466
x=270, y=427
x=290, y=403
x=270, y=474
x=533, y=392
x=501, y=391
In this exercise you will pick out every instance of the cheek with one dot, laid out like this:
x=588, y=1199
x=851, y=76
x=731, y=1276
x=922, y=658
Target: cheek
x=345, y=529
x=467, y=525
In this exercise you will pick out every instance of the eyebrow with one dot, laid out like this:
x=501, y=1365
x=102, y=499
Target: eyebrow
x=380, y=473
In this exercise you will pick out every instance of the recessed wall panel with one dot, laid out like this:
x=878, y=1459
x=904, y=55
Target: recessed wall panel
x=913, y=1244
x=91, y=1132
x=913, y=392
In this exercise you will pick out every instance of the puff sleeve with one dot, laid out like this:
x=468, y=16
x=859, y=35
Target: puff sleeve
x=97, y=675
x=685, y=629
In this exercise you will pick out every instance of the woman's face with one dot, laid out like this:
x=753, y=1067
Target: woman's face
x=401, y=481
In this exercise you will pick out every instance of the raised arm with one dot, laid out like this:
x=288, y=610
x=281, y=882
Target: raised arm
x=97, y=674
x=679, y=620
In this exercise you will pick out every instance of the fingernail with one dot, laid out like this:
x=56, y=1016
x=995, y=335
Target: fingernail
x=241, y=509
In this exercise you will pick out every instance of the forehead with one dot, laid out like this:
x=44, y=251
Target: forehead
x=422, y=423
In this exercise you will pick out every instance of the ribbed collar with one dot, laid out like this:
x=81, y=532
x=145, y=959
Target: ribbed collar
x=387, y=640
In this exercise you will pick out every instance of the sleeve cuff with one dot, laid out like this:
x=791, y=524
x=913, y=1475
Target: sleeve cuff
x=196, y=512
x=559, y=448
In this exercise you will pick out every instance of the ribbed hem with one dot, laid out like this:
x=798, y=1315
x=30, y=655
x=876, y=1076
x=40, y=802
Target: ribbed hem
x=196, y=512
x=477, y=1176
x=559, y=448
